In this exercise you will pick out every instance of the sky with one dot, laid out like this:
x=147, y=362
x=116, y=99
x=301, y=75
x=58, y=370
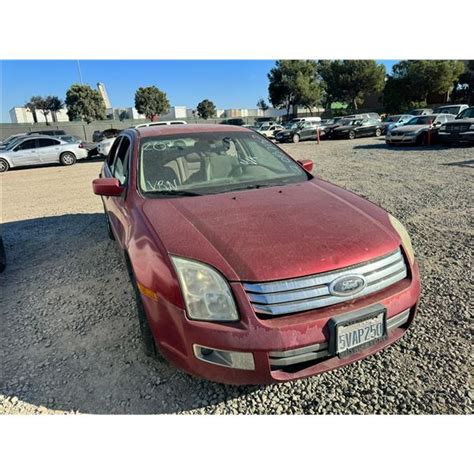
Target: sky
x=228, y=83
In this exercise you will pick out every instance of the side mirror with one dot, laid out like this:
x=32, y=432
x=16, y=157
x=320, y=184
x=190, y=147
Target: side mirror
x=306, y=164
x=107, y=187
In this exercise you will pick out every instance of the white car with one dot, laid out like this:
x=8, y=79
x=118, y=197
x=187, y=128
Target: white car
x=415, y=131
x=40, y=150
x=104, y=146
x=269, y=131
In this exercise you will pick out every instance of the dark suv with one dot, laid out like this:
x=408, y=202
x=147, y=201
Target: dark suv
x=459, y=130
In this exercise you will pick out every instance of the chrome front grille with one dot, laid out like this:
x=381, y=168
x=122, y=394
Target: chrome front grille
x=283, y=297
x=462, y=127
x=287, y=360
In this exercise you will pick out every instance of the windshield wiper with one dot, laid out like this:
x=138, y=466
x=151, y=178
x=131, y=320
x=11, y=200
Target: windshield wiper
x=170, y=192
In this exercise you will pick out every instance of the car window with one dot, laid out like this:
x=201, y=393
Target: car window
x=43, y=142
x=120, y=165
x=113, y=150
x=26, y=145
x=213, y=162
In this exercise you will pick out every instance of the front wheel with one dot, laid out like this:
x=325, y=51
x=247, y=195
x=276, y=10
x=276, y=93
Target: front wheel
x=378, y=132
x=422, y=139
x=352, y=135
x=67, y=158
x=296, y=138
x=4, y=166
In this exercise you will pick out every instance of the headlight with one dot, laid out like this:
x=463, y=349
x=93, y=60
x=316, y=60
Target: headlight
x=405, y=238
x=443, y=127
x=471, y=126
x=206, y=294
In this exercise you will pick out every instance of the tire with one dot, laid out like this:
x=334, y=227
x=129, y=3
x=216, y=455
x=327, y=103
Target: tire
x=148, y=341
x=296, y=138
x=67, y=158
x=4, y=166
x=352, y=135
x=422, y=139
x=378, y=132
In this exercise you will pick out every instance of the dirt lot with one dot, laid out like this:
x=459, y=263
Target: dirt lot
x=69, y=338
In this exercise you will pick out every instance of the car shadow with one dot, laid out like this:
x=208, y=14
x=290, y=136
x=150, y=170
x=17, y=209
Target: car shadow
x=70, y=337
x=462, y=164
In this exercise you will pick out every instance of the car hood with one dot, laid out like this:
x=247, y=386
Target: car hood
x=273, y=233
x=411, y=128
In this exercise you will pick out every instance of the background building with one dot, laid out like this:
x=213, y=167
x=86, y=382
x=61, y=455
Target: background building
x=23, y=115
x=103, y=92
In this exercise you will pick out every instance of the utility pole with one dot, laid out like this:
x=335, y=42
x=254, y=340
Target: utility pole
x=79, y=70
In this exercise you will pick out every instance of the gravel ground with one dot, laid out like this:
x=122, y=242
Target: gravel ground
x=69, y=338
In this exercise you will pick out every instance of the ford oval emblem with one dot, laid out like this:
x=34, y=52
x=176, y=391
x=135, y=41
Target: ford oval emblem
x=347, y=285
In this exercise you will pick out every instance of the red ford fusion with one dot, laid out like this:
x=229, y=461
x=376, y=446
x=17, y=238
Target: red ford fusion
x=248, y=269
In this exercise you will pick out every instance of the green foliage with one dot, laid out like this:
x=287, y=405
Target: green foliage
x=262, y=105
x=350, y=80
x=84, y=103
x=123, y=115
x=44, y=104
x=463, y=91
x=292, y=83
x=413, y=81
x=151, y=102
x=206, y=109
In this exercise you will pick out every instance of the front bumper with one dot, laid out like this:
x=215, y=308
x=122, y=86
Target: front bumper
x=400, y=139
x=177, y=336
x=461, y=137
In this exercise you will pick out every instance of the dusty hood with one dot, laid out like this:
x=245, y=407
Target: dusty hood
x=273, y=233
x=411, y=128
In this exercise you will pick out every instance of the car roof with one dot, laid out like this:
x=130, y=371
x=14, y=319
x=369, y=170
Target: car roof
x=165, y=130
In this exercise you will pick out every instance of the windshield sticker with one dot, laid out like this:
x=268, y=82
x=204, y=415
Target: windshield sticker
x=162, y=185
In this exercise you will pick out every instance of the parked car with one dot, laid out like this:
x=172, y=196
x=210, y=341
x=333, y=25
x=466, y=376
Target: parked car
x=10, y=139
x=233, y=121
x=460, y=130
x=100, y=135
x=298, y=131
x=420, y=112
x=104, y=146
x=416, y=130
x=366, y=127
x=394, y=121
x=40, y=150
x=206, y=218
x=453, y=109
x=157, y=124
x=269, y=131
x=52, y=132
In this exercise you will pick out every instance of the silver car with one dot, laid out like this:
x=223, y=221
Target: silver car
x=415, y=131
x=40, y=150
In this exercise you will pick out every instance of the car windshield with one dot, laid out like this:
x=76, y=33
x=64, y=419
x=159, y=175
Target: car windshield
x=212, y=162
x=13, y=143
x=422, y=120
x=291, y=125
x=264, y=127
x=393, y=118
x=447, y=110
x=467, y=113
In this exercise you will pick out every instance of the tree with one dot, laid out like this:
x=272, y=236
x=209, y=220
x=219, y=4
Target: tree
x=463, y=90
x=263, y=106
x=151, y=102
x=206, y=109
x=84, y=103
x=292, y=83
x=32, y=105
x=54, y=105
x=413, y=81
x=123, y=115
x=45, y=105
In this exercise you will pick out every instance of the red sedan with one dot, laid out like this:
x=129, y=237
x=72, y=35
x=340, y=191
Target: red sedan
x=247, y=268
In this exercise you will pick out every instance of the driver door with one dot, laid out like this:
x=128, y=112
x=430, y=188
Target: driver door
x=25, y=153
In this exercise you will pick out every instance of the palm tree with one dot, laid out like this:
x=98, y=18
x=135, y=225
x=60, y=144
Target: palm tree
x=54, y=104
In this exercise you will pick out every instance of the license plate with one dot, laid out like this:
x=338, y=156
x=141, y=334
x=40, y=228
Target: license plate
x=354, y=334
